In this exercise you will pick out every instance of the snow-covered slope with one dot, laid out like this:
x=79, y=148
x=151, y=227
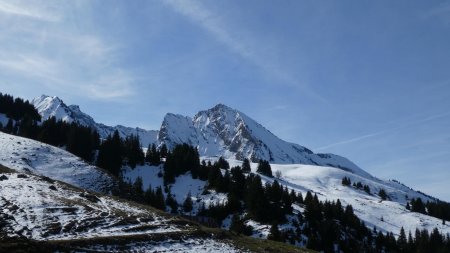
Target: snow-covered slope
x=387, y=215
x=26, y=155
x=48, y=106
x=42, y=209
x=33, y=207
x=223, y=131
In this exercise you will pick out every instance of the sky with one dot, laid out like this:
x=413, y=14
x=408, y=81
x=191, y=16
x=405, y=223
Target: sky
x=368, y=80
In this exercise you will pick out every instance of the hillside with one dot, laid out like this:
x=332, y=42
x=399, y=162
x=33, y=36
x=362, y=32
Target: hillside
x=386, y=215
x=43, y=215
x=29, y=156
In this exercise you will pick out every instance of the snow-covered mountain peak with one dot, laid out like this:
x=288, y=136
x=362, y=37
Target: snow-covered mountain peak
x=218, y=131
x=224, y=131
x=48, y=106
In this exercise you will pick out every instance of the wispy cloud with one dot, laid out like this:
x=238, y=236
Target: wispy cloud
x=217, y=26
x=27, y=11
x=111, y=86
x=32, y=66
x=385, y=131
x=62, y=58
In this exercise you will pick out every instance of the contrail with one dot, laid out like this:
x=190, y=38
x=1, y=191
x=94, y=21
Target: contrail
x=366, y=136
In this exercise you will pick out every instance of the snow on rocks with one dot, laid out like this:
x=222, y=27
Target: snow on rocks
x=190, y=245
x=32, y=209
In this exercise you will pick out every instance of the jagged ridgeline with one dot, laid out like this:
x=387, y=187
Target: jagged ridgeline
x=219, y=131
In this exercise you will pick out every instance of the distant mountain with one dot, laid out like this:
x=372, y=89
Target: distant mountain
x=48, y=106
x=219, y=131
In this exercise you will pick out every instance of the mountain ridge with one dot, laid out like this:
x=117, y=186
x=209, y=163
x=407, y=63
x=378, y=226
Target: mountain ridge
x=53, y=106
x=218, y=131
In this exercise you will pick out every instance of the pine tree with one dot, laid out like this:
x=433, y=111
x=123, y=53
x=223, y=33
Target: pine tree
x=402, y=241
x=172, y=203
x=264, y=168
x=159, y=199
x=346, y=181
x=382, y=194
x=155, y=159
x=110, y=154
x=246, y=166
x=133, y=151
x=137, y=189
x=163, y=151
x=9, y=127
x=222, y=164
x=367, y=189
x=275, y=234
x=148, y=154
x=187, y=204
x=359, y=185
x=236, y=224
x=149, y=196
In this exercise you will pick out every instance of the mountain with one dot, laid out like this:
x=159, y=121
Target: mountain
x=219, y=131
x=48, y=106
x=223, y=131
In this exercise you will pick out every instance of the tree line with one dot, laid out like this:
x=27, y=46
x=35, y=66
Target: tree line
x=437, y=209
x=17, y=108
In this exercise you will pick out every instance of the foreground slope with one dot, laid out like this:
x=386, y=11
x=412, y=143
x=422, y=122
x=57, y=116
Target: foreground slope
x=29, y=156
x=40, y=214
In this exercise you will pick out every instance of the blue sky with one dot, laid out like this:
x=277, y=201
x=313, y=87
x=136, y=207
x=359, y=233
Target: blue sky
x=368, y=80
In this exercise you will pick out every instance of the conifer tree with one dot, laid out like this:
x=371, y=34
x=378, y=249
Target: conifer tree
x=275, y=234
x=187, y=204
x=402, y=241
x=367, y=189
x=172, y=203
x=238, y=225
x=149, y=196
x=159, y=199
x=382, y=194
x=222, y=164
x=163, y=151
x=148, y=154
x=110, y=154
x=138, y=189
x=246, y=166
x=264, y=168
